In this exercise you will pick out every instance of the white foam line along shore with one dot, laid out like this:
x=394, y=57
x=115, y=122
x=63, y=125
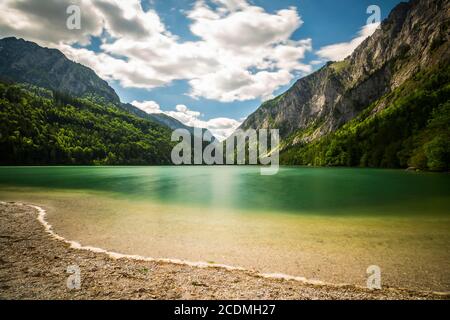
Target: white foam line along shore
x=115, y=255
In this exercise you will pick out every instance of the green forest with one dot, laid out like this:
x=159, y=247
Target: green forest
x=412, y=131
x=39, y=127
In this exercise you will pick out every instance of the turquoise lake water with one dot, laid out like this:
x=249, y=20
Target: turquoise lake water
x=298, y=190
x=327, y=224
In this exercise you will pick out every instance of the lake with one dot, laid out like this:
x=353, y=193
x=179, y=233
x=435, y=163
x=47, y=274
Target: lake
x=328, y=224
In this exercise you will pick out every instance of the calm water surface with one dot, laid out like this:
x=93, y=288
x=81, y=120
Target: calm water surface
x=297, y=190
x=322, y=223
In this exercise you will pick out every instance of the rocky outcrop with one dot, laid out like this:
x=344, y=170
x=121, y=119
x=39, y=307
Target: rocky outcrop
x=414, y=37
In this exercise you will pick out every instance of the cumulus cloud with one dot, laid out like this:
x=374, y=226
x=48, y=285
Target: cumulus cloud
x=221, y=128
x=230, y=85
x=242, y=52
x=250, y=26
x=45, y=21
x=148, y=106
x=257, y=55
x=340, y=51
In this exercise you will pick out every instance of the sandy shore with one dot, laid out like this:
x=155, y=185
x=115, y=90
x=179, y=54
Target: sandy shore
x=33, y=265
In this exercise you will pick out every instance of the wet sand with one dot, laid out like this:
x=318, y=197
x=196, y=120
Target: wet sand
x=33, y=265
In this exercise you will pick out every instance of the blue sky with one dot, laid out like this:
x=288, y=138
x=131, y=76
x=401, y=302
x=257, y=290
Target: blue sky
x=325, y=22
x=205, y=62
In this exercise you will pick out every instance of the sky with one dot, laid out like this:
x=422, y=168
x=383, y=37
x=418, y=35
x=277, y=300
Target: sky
x=207, y=63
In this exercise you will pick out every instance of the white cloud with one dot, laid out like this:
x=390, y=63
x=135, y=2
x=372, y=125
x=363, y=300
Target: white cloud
x=250, y=26
x=148, y=106
x=316, y=62
x=230, y=85
x=257, y=55
x=127, y=19
x=45, y=21
x=340, y=51
x=221, y=128
x=242, y=51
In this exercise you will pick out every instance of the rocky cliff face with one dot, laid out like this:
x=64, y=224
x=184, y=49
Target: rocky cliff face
x=24, y=61
x=414, y=37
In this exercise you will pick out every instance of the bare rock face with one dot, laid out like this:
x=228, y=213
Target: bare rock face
x=414, y=37
x=24, y=61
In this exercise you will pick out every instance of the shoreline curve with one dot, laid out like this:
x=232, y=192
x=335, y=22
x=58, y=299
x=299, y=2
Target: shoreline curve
x=41, y=214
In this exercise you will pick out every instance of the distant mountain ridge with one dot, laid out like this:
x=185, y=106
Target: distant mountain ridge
x=26, y=62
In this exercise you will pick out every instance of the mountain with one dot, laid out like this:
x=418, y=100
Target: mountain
x=161, y=118
x=165, y=120
x=41, y=127
x=26, y=62
x=407, y=54
x=55, y=111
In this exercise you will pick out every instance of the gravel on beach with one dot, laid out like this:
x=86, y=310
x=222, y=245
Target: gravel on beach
x=34, y=265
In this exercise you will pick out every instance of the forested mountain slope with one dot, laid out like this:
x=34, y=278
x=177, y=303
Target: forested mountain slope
x=39, y=127
x=23, y=61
